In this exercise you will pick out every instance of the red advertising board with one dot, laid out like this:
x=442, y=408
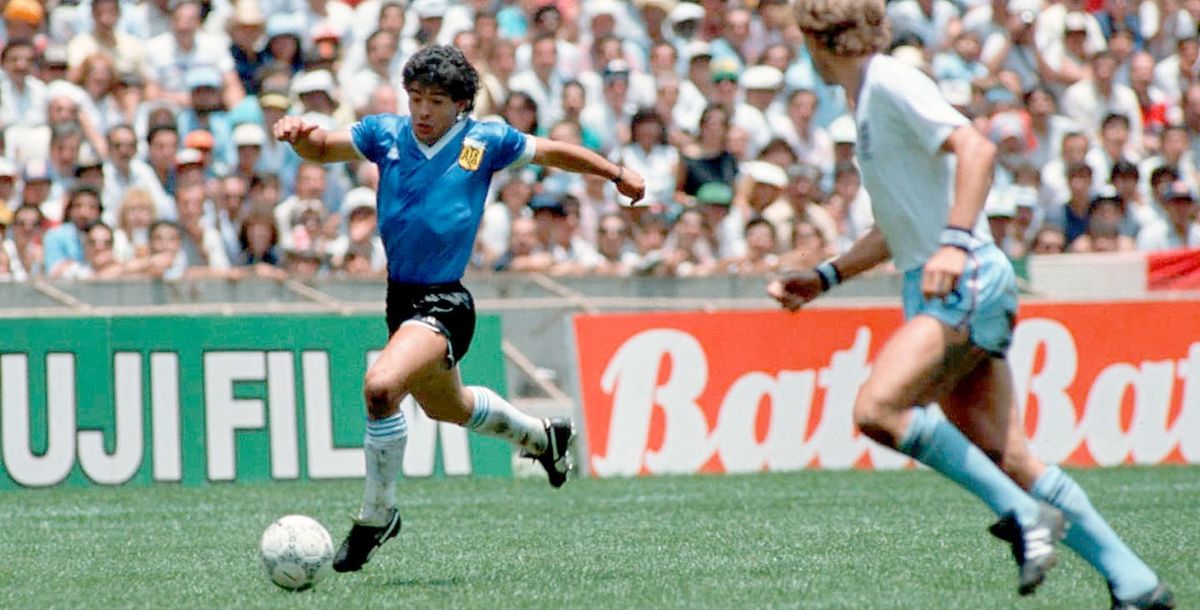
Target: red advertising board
x=1098, y=384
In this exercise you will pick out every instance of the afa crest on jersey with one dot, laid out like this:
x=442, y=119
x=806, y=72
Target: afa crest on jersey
x=471, y=155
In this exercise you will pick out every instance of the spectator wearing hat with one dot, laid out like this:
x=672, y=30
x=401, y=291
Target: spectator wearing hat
x=542, y=81
x=317, y=94
x=430, y=16
x=1066, y=35
x=64, y=244
x=22, y=95
x=761, y=86
x=933, y=22
x=246, y=27
x=190, y=168
x=649, y=154
x=607, y=117
x=653, y=14
x=35, y=190
x=277, y=157
x=125, y=51
x=1090, y=100
x=760, y=193
x=23, y=19
x=249, y=140
x=284, y=44
x=714, y=200
x=172, y=56
x=206, y=113
x=1180, y=229
x=695, y=85
x=361, y=235
x=205, y=144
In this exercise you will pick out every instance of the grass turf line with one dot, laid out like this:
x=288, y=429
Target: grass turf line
x=808, y=539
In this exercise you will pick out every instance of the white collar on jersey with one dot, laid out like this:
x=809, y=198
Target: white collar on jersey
x=430, y=151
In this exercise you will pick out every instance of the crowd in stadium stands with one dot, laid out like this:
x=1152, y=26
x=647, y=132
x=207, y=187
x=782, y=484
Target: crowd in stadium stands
x=136, y=135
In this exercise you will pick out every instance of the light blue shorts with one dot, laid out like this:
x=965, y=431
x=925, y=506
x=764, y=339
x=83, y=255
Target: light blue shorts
x=984, y=301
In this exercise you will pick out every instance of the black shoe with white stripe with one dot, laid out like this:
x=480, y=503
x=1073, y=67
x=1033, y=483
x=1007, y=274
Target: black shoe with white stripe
x=556, y=459
x=1032, y=547
x=1159, y=598
x=362, y=542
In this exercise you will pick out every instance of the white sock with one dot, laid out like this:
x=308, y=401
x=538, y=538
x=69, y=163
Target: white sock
x=494, y=416
x=384, y=448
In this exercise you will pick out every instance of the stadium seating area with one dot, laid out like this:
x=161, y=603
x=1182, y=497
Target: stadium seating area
x=136, y=135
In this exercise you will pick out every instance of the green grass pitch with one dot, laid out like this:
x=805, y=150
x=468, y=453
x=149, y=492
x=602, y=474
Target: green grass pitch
x=810, y=539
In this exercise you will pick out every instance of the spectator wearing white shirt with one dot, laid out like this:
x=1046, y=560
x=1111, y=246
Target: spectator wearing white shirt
x=22, y=96
x=608, y=117
x=542, y=82
x=1090, y=100
x=1174, y=73
x=1180, y=230
x=934, y=22
x=811, y=143
x=761, y=86
x=125, y=50
x=124, y=172
x=172, y=55
x=649, y=154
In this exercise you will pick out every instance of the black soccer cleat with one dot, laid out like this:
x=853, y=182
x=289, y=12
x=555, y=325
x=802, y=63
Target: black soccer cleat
x=362, y=542
x=556, y=459
x=1032, y=547
x=1159, y=598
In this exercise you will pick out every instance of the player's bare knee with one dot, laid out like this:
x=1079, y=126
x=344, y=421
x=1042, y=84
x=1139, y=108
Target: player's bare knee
x=874, y=416
x=381, y=393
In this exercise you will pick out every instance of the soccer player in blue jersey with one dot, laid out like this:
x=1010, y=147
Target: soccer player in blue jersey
x=435, y=167
x=928, y=172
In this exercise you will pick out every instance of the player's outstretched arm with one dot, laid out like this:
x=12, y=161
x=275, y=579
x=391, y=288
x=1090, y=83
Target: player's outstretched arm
x=580, y=160
x=794, y=290
x=313, y=143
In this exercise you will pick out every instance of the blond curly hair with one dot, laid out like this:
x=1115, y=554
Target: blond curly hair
x=845, y=27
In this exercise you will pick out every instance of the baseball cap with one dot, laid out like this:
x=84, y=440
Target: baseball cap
x=54, y=55
x=547, y=203
x=203, y=76
x=247, y=12
x=317, y=81
x=1075, y=21
x=189, y=156
x=697, y=49
x=714, y=193
x=685, y=11
x=595, y=8
x=1017, y=7
x=1000, y=204
x=761, y=78
x=87, y=159
x=26, y=11
x=284, y=24
x=249, y=134
x=200, y=140
x=765, y=172
x=274, y=99
x=724, y=69
x=843, y=131
x=429, y=9
x=361, y=198
x=616, y=69
x=1006, y=125
x=7, y=168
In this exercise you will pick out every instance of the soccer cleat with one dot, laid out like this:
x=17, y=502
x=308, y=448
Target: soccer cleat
x=362, y=542
x=556, y=459
x=1159, y=598
x=1032, y=547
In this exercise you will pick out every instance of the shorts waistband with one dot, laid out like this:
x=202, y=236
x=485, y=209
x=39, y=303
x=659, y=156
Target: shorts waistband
x=411, y=287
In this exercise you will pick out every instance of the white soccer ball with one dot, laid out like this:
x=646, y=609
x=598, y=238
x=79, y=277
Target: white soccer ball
x=296, y=551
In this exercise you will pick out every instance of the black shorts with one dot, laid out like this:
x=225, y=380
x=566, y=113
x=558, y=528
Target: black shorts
x=447, y=309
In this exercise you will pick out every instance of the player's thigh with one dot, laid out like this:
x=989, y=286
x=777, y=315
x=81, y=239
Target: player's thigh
x=911, y=366
x=981, y=405
x=410, y=352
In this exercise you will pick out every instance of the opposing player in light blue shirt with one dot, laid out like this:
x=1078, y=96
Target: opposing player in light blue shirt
x=928, y=171
x=435, y=167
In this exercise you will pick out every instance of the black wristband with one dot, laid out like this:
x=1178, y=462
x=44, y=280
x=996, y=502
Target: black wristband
x=828, y=274
x=620, y=174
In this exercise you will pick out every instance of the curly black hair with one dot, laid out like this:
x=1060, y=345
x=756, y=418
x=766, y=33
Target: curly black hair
x=443, y=67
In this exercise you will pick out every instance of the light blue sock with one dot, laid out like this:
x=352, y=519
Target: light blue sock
x=383, y=447
x=1091, y=537
x=494, y=416
x=936, y=443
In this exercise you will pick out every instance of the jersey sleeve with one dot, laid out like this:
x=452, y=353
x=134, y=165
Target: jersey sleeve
x=365, y=135
x=511, y=148
x=919, y=104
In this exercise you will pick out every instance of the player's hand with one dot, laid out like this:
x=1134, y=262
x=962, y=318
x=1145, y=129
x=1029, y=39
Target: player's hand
x=942, y=271
x=632, y=185
x=292, y=129
x=794, y=290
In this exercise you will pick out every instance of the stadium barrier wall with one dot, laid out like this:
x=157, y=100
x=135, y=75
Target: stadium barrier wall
x=1098, y=384
x=117, y=400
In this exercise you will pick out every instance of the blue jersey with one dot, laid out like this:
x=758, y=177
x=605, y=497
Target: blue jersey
x=431, y=198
